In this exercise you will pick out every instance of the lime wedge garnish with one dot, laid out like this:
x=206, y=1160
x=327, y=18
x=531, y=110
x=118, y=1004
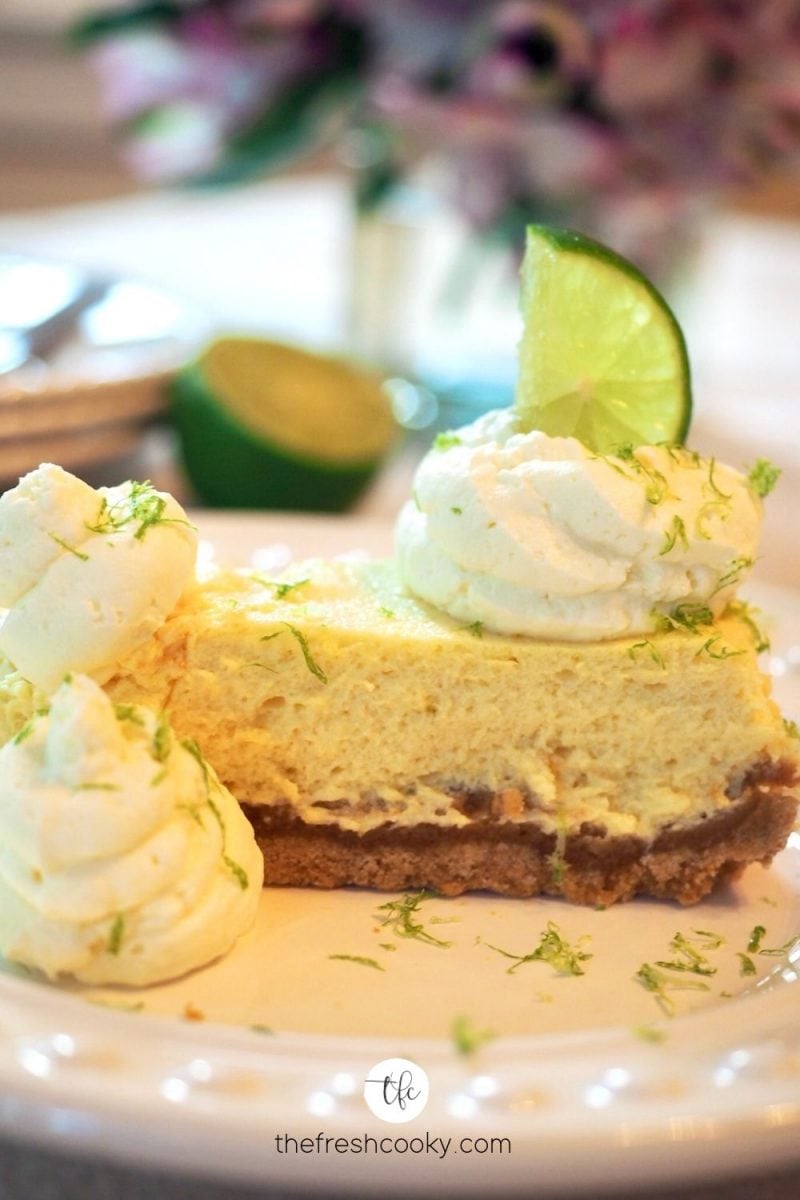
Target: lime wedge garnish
x=266, y=425
x=602, y=357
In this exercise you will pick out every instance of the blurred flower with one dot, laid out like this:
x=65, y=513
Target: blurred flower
x=618, y=116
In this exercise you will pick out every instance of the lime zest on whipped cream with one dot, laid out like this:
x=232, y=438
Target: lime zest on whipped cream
x=763, y=476
x=552, y=540
x=445, y=441
x=676, y=536
x=116, y=934
x=103, y=878
x=211, y=781
x=142, y=506
x=657, y=488
x=83, y=590
x=28, y=727
x=686, y=617
x=69, y=549
x=733, y=573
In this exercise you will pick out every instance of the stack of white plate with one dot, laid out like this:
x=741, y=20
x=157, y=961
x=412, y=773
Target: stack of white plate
x=84, y=362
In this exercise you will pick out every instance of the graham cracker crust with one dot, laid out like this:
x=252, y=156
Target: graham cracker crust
x=682, y=863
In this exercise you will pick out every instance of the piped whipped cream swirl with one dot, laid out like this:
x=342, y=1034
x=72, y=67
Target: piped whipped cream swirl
x=122, y=857
x=87, y=575
x=530, y=534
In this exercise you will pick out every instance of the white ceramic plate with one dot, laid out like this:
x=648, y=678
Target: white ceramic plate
x=572, y=1086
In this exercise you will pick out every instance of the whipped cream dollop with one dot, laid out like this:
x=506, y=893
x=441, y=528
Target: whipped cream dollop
x=87, y=575
x=122, y=857
x=530, y=534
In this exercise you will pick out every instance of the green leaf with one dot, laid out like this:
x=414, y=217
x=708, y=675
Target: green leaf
x=100, y=25
x=297, y=116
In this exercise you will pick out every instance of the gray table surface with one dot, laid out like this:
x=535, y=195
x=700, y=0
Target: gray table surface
x=32, y=1174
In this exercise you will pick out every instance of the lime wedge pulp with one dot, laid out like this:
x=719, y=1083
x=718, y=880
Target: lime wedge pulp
x=602, y=357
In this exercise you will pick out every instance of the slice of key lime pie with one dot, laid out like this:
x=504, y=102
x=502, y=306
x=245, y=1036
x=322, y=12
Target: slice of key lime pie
x=552, y=687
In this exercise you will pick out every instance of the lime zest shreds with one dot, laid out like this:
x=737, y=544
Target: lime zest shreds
x=96, y=785
x=657, y=488
x=791, y=728
x=733, y=574
x=689, y=955
x=476, y=629
x=27, y=729
x=650, y=1033
x=69, y=549
x=763, y=476
x=128, y=712
x=718, y=651
x=553, y=949
x=238, y=872
x=602, y=357
x=467, y=1040
x=675, y=534
x=721, y=507
x=361, y=959
x=446, y=441
x=687, y=617
x=746, y=964
x=281, y=588
x=162, y=739
x=660, y=983
x=236, y=869
x=747, y=613
x=401, y=919
x=116, y=935
x=310, y=662
x=651, y=650
x=754, y=944
x=142, y=506
x=711, y=483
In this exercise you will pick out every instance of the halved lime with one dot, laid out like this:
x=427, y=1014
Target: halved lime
x=266, y=425
x=602, y=357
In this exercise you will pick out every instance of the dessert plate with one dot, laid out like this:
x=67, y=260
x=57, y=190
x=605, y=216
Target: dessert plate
x=538, y=1082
